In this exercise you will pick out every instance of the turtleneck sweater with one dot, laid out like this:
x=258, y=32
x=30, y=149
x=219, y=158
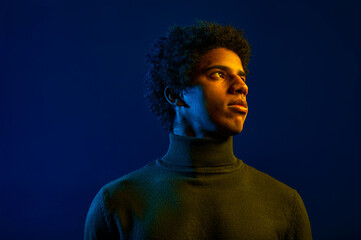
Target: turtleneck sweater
x=197, y=190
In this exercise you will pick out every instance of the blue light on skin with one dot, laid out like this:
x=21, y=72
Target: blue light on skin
x=203, y=110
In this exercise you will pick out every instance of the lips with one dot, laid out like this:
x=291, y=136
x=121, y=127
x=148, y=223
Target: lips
x=239, y=105
x=240, y=102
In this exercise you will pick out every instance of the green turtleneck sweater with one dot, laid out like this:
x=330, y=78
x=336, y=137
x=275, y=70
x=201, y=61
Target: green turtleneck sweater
x=198, y=190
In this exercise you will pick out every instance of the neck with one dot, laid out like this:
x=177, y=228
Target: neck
x=200, y=152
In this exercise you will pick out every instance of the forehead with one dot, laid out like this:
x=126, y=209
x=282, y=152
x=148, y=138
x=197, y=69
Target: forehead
x=221, y=56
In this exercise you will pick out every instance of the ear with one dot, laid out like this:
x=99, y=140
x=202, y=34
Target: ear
x=173, y=98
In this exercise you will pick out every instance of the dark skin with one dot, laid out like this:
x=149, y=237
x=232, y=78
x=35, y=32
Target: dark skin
x=208, y=108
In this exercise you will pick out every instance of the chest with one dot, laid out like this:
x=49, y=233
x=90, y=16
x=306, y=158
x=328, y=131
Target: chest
x=206, y=215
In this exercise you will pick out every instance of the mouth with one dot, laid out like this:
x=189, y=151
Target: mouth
x=239, y=108
x=239, y=105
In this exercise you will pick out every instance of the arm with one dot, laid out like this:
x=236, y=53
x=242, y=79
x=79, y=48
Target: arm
x=300, y=228
x=97, y=221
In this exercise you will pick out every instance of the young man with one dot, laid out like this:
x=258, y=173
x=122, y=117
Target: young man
x=197, y=87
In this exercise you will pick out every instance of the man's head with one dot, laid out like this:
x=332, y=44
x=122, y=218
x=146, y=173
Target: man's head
x=195, y=73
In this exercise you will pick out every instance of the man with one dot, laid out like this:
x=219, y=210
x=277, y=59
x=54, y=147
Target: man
x=197, y=87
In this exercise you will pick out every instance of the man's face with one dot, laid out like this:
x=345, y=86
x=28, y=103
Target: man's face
x=217, y=101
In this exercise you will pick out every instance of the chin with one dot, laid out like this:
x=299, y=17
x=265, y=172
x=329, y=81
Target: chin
x=231, y=131
x=238, y=131
x=233, y=126
x=226, y=128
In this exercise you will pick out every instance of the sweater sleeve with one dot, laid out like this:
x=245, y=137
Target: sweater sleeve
x=300, y=228
x=97, y=221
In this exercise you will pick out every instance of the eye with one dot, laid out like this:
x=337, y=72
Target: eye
x=218, y=75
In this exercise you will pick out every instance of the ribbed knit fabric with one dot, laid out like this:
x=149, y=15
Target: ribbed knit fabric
x=198, y=190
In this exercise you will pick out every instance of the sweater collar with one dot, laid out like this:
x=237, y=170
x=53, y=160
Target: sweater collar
x=199, y=152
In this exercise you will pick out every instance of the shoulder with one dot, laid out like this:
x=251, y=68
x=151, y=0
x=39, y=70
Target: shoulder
x=261, y=179
x=126, y=189
x=280, y=196
x=270, y=189
x=277, y=195
x=114, y=199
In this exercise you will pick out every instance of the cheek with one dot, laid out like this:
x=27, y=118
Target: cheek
x=199, y=109
x=215, y=101
x=209, y=105
x=216, y=109
x=215, y=97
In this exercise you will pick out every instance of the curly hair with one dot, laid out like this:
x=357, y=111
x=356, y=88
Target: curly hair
x=174, y=57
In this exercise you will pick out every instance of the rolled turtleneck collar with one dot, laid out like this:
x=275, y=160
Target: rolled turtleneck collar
x=199, y=152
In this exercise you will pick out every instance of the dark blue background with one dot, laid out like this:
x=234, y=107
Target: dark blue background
x=72, y=115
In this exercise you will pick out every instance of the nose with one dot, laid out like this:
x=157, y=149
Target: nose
x=238, y=86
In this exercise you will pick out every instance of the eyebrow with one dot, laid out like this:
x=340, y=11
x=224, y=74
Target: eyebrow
x=225, y=68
